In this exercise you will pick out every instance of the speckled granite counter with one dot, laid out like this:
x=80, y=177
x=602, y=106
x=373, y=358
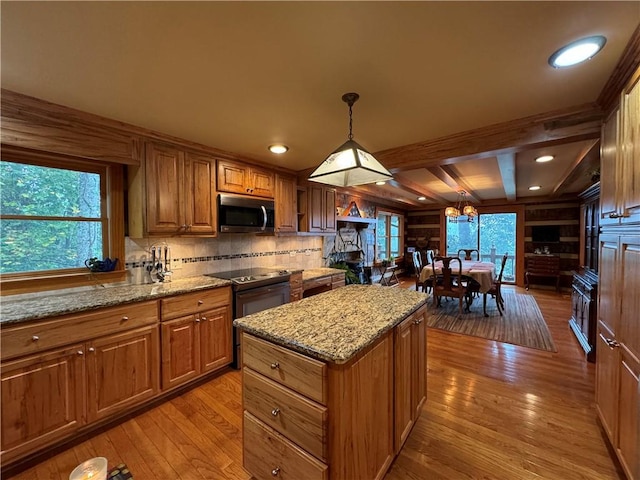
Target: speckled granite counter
x=311, y=273
x=20, y=308
x=335, y=325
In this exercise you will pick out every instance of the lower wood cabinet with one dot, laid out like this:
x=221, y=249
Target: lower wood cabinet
x=46, y=397
x=319, y=420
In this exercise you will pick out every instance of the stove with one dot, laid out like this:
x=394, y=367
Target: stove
x=253, y=277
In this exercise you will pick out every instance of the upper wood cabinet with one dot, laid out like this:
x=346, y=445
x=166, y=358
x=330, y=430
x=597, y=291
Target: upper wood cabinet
x=286, y=201
x=173, y=192
x=318, y=209
x=620, y=160
x=245, y=179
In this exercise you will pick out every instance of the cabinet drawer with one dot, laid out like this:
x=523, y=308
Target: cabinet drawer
x=317, y=282
x=337, y=280
x=295, y=281
x=295, y=416
x=40, y=336
x=302, y=374
x=267, y=455
x=189, y=303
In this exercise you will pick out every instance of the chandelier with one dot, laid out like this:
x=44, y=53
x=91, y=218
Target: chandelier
x=462, y=208
x=350, y=164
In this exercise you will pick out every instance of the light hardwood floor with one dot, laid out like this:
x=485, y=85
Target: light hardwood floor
x=493, y=411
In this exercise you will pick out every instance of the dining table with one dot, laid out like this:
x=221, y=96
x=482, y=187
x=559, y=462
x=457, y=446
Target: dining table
x=482, y=272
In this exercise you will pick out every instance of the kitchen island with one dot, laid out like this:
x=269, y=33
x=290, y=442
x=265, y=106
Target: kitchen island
x=332, y=384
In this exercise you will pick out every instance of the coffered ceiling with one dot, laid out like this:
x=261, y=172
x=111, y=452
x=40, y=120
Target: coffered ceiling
x=453, y=95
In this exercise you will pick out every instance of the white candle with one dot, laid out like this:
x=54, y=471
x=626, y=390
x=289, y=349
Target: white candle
x=92, y=469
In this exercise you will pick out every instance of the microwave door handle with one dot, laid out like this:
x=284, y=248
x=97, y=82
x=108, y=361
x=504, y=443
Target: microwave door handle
x=264, y=216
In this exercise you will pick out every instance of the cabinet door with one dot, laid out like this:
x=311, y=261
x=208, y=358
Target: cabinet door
x=42, y=399
x=286, y=200
x=403, y=378
x=122, y=370
x=419, y=356
x=232, y=177
x=315, y=211
x=329, y=209
x=628, y=422
x=608, y=306
x=629, y=279
x=609, y=170
x=180, y=350
x=199, y=199
x=261, y=183
x=607, y=361
x=216, y=344
x=630, y=152
x=165, y=212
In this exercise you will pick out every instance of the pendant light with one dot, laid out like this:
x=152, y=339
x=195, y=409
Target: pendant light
x=462, y=208
x=350, y=164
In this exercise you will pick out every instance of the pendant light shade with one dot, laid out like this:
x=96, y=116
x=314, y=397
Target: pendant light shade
x=350, y=164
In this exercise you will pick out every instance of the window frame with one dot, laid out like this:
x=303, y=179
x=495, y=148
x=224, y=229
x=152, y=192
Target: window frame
x=389, y=213
x=112, y=215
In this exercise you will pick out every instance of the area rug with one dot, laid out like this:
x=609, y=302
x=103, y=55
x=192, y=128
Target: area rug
x=521, y=324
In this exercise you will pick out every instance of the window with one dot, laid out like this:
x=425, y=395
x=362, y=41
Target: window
x=389, y=235
x=54, y=215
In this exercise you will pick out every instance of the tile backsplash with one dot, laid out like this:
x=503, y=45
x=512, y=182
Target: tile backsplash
x=195, y=256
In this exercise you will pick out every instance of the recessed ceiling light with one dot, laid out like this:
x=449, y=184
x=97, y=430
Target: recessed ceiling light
x=278, y=148
x=380, y=183
x=577, y=52
x=422, y=198
x=544, y=158
x=535, y=187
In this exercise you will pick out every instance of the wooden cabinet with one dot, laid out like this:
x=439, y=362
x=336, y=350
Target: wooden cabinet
x=338, y=280
x=545, y=266
x=286, y=201
x=305, y=418
x=410, y=374
x=317, y=209
x=584, y=288
x=246, y=179
x=620, y=160
x=196, y=335
x=295, y=286
x=78, y=374
x=173, y=192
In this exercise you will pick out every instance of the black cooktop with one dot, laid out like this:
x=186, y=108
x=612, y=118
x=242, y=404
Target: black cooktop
x=253, y=277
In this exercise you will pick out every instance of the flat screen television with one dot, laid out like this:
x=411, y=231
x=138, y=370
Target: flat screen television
x=545, y=233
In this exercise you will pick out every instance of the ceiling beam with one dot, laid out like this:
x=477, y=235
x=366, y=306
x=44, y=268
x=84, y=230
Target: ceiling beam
x=380, y=196
x=552, y=128
x=404, y=183
x=507, y=166
x=450, y=177
x=589, y=152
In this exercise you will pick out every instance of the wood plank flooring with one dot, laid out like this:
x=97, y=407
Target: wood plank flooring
x=493, y=411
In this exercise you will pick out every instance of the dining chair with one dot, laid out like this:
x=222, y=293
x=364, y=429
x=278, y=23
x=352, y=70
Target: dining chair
x=495, y=290
x=417, y=266
x=449, y=282
x=468, y=253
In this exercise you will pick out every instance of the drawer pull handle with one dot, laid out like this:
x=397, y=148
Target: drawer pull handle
x=275, y=412
x=35, y=338
x=125, y=318
x=275, y=365
x=275, y=472
x=91, y=349
x=200, y=302
x=612, y=343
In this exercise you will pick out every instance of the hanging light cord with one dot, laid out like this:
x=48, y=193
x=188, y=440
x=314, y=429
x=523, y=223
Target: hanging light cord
x=350, y=122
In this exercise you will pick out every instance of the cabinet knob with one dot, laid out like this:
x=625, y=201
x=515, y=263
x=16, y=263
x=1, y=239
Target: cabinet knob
x=197, y=319
x=275, y=472
x=275, y=412
x=35, y=338
x=91, y=349
x=612, y=343
x=200, y=302
x=275, y=365
x=614, y=215
x=204, y=319
x=125, y=318
x=80, y=352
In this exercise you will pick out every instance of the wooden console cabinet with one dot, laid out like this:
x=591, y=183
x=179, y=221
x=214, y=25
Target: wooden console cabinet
x=584, y=290
x=542, y=266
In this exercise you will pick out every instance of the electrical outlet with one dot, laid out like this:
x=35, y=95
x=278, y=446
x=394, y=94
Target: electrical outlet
x=176, y=264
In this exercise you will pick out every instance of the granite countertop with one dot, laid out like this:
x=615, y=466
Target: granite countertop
x=334, y=326
x=33, y=306
x=311, y=273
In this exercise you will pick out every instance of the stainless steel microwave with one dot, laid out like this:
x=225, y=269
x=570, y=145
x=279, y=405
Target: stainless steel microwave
x=240, y=214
